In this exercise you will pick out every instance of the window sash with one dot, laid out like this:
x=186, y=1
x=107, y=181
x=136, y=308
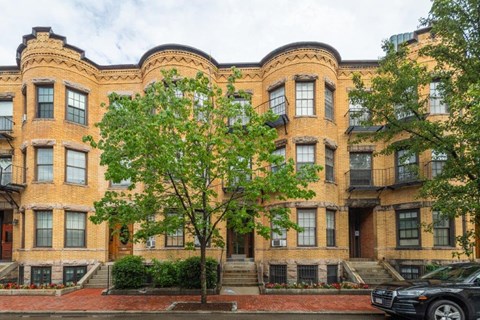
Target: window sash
x=76, y=106
x=278, y=273
x=45, y=102
x=44, y=164
x=330, y=228
x=307, y=221
x=282, y=235
x=242, y=118
x=73, y=274
x=410, y=272
x=408, y=229
x=176, y=237
x=329, y=103
x=75, y=229
x=305, y=103
x=329, y=164
x=442, y=230
x=277, y=101
x=41, y=275
x=407, y=167
x=437, y=105
x=76, y=167
x=279, y=152
x=307, y=274
x=305, y=155
x=43, y=229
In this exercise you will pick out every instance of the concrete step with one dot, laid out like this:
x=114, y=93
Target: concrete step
x=252, y=277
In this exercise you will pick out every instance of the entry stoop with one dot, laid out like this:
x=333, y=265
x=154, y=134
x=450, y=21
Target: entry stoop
x=240, y=274
x=100, y=279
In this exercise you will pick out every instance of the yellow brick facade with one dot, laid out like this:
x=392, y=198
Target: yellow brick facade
x=45, y=58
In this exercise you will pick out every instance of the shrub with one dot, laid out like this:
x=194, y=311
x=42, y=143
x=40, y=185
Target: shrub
x=189, y=273
x=128, y=273
x=164, y=274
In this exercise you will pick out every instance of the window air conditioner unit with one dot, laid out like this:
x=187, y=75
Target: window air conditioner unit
x=150, y=244
x=279, y=243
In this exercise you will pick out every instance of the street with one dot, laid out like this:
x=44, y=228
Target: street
x=201, y=316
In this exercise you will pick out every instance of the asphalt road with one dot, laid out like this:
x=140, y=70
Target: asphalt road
x=199, y=316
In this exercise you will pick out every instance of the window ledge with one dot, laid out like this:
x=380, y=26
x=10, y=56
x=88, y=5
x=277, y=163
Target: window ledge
x=118, y=188
x=42, y=249
x=42, y=182
x=308, y=247
x=330, y=120
x=43, y=119
x=77, y=124
x=75, y=249
x=409, y=248
x=305, y=116
x=75, y=184
x=331, y=182
x=444, y=248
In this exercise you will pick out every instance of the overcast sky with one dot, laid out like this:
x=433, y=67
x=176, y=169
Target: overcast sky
x=121, y=31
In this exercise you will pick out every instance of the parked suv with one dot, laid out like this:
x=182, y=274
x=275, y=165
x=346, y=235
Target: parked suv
x=450, y=292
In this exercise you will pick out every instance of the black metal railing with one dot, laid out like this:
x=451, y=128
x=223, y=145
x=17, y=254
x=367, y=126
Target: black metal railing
x=279, y=107
x=357, y=116
x=11, y=175
x=402, y=175
x=6, y=123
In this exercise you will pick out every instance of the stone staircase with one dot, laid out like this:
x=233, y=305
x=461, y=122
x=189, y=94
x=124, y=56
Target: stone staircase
x=8, y=272
x=240, y=274
x=100, y=278
x=371, y=272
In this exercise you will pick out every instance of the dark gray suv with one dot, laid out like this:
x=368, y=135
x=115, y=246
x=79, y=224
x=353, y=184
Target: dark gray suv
x=449, y=293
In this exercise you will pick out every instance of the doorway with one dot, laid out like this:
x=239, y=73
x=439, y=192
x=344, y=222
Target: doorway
x=6, y=235
x=120, y=241
x=239, y=245
x=361, y=233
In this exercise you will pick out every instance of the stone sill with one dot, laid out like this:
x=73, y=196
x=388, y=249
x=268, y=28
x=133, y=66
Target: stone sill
x=37, y=292
x=319, y=291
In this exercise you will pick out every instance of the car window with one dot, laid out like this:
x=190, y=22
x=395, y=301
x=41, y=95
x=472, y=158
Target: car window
x=452, y=273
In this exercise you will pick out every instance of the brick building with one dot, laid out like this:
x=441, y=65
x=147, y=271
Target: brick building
x=365, y=207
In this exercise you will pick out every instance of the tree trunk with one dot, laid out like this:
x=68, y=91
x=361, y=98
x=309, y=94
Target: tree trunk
x=203, y=271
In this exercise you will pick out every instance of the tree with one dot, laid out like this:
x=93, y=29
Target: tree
x=196, y=157
x=397, y=97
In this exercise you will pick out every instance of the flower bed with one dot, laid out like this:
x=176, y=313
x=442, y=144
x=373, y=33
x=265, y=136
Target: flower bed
x=317, y=288
x=52, y=289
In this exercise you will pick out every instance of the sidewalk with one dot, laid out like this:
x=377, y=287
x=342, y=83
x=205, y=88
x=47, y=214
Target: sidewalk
x=91, y=300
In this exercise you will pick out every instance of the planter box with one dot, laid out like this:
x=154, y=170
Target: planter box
x=37, y=292
x=158, y=292
x=319, y=291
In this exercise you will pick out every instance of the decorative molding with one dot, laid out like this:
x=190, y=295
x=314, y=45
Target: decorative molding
x=76, y=86
x=43, y=80
x=305, y=77
x=76, y=146
x=276, y=84
x=43, y=142
x=360, y=148
x=330, y=143
x=281, y=143
x=7, y=95
x=304, y=140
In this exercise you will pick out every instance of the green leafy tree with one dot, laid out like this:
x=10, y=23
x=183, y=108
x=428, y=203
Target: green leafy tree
x=196, y=157
x=397, y=97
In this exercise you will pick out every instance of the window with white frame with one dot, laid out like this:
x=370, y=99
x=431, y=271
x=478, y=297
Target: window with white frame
x=175, y=238
x=437, y=105
x=76, y=168
x=43, y=228
x=200, y=111
x=357, y=114
x=6, y=115
x=305, y=155
x=439, y=159
x=277, y=101
x=306, y=219
x=281, y=152
x=407, y=166
x=76, y=106
x=242, y=117
x=305, y=103
x=279, y=235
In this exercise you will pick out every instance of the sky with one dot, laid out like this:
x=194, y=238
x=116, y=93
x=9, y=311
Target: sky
x=121, y=31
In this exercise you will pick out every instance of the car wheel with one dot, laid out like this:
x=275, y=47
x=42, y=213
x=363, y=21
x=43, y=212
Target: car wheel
x=445, y=310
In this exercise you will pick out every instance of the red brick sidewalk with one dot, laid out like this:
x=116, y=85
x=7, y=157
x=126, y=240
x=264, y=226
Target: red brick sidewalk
x=92, y=300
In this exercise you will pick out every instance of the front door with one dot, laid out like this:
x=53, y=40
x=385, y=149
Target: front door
x=361, y=233
x=239, y=245
x=6, y=235
x=120, y=241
